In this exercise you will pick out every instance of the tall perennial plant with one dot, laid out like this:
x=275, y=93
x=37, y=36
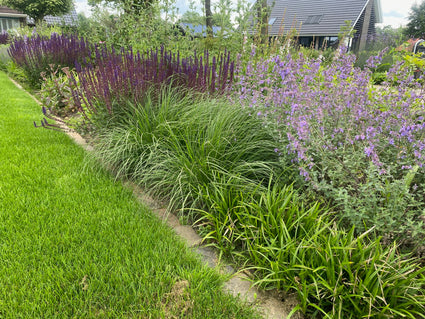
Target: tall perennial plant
x=126, y=76
x=37, y=54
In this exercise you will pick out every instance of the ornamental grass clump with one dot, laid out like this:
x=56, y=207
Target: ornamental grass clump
x=126, y=76
x=173, y=144
x=39, y=54
x=359, y=145
x=298, y=248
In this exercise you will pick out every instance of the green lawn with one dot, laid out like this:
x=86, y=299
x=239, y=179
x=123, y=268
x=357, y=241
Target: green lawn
x=75, y=243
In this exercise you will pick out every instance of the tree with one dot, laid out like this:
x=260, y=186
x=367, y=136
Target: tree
x=129, y=6
x=192, y=17
x=38, y=9
x=220, y=15
x=208, y=18
x=388, y=37
x=416, y=26
x=263, y=20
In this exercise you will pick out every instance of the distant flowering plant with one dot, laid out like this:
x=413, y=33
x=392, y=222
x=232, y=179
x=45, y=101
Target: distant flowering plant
x=343, y=132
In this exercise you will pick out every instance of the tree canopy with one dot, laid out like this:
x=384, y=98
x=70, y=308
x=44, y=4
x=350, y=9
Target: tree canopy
x=220, y=14
x=136, y=6
x=416, y=26
x=38, y=9
x=196, y=18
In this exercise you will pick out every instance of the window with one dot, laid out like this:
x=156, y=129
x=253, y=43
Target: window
x=332, y=40
x=3, y=25
x=7, y=24
x=313, y=19
x=271, y=21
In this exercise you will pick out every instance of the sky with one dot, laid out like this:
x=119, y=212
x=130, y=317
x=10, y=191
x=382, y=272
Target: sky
x=395, y=12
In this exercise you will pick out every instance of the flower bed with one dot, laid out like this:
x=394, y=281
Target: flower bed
x=173, y=125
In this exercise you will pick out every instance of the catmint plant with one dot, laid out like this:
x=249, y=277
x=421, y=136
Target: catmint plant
x=352, y=142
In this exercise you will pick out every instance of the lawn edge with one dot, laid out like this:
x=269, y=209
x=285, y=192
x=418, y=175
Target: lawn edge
x=269, y=303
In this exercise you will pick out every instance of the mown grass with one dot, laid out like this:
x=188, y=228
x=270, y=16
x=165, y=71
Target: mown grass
x=75, y=243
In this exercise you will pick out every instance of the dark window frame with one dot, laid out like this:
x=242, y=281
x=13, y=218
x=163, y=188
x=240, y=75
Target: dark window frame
x=314, y=19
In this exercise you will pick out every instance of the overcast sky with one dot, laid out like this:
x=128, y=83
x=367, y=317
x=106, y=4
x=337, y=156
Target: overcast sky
x=395, y=12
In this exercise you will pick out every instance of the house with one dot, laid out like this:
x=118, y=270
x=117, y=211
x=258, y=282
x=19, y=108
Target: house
x=318, y=22
x=11, y=19
x=69, y=20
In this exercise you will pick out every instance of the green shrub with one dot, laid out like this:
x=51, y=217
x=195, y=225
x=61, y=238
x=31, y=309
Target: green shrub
x=16, y=72
x=4, y=57
x=41, y=29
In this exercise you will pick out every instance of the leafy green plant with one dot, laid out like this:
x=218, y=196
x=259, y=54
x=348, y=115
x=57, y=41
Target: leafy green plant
x=40, y=29
x=297, y=248
x=56, y=92
x=4, y=57
x=392, y=205
x=415, y=62
x=343, y=276
x=16, y=72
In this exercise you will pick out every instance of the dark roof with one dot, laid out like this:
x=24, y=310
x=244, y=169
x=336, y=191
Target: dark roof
x=316, y=17
x=4, y=11
x=198, y=30
x=69, y=19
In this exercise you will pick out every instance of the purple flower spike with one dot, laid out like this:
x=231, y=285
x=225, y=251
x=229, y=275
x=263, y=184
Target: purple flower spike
x=126, y=76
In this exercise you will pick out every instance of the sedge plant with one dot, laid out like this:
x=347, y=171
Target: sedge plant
x=294, y=247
